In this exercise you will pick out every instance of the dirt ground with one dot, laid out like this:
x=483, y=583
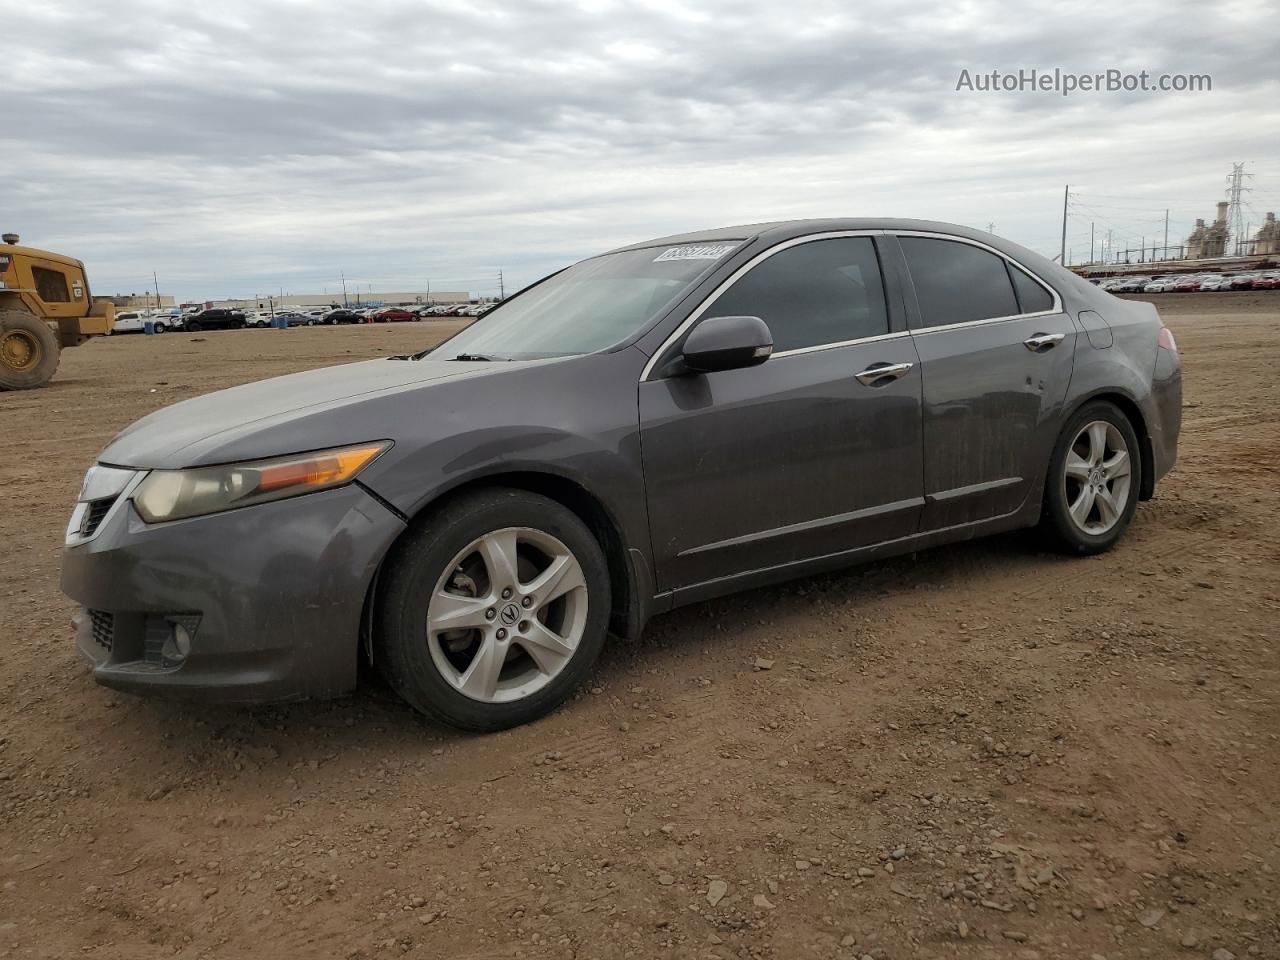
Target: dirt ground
x=982, y=751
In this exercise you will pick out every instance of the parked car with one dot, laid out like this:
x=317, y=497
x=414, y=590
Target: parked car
x=1187, y=285
x=296, y=319
x=1267, y=282
x=135, y=322
x=215, y=319
x=394, y=315
x=1216, y=283
x=737, y=407
x=343, y=316
x=1129, y=285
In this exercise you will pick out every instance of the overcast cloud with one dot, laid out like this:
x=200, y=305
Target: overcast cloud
x=238, y=148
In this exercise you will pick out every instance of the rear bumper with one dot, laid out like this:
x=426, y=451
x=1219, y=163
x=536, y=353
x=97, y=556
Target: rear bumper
x=271, y=597
x=1165, y=421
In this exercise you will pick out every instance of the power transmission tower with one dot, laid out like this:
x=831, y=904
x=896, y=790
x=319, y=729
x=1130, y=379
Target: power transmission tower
x=1235, y=212
x=502, y=289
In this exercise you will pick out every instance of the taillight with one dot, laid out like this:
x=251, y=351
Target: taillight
x=1166, y=340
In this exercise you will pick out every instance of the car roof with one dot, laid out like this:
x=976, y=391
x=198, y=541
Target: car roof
x=785, y=229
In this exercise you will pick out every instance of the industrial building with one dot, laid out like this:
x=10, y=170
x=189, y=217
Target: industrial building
x=143, y=301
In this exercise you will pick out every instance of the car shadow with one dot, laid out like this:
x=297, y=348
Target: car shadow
x=374, y=724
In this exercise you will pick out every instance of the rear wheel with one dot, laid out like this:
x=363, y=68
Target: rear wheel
x=193, y=326
x=29, y=351
x=1092, y=489
x=160, y=328
x=493, y=611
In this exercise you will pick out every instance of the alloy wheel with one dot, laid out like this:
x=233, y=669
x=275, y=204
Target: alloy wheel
x=1097, y=476
x=507, y=615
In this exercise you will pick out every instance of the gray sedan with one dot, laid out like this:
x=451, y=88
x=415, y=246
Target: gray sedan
x=661, y=424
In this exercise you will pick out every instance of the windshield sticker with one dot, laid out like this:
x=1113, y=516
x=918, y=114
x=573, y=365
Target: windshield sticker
x=697, y=251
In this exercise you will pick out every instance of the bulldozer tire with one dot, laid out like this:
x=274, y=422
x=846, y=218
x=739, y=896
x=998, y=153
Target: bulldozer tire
x=29, y=351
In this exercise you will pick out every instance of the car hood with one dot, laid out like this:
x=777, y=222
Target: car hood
x=187, y=433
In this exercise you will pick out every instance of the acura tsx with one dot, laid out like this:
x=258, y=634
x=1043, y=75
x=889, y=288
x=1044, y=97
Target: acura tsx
x=654, y=426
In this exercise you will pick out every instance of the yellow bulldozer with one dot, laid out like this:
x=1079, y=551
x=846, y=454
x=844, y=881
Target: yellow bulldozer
x=45, y=305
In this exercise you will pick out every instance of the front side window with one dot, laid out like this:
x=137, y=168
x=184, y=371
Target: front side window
x=590, y=306
x=815, y=293
x=51, y=285
x=957, y=282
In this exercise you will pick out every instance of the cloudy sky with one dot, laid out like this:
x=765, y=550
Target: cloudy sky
x=243, y=147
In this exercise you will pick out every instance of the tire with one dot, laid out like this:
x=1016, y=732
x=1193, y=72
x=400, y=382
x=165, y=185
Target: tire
x=193, y=326
x=160, y=328
x=429, y=666
x=1079, y=475
x=29, y=351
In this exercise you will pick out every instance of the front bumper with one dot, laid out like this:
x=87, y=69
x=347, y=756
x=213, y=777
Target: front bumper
x=271, y=597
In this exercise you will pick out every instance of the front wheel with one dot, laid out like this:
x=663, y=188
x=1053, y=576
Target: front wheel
x=492, y=612
x=29, y=351
x=1094, y=476
x=193, y=326
x=160, y=328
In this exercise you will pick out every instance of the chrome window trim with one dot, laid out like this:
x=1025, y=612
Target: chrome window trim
x=924, y=331
x=895, y=335
x=1056, y=308
x=750, y=264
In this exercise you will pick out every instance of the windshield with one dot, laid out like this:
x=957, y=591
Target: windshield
x=591, y=306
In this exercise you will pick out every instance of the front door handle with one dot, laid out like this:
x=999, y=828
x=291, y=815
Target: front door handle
x=1043, y=341
x=881, y=373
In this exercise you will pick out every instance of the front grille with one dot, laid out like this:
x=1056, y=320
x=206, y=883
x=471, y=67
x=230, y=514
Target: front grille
x=104, y=628
x=93, y=517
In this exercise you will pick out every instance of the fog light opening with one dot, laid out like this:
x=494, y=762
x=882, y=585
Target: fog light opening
x=177, y=645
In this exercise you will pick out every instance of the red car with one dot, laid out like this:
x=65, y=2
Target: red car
x=1186, y=286
x=394, y=315
x=1267, y=283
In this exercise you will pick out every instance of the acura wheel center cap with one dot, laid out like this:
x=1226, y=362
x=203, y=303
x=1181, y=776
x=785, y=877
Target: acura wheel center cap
x=509, y=614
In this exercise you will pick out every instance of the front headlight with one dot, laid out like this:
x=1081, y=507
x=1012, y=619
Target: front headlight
x=176, y=494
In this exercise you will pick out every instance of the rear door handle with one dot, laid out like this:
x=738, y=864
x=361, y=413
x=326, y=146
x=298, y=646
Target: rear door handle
x=1043, y=341
x=882, y=373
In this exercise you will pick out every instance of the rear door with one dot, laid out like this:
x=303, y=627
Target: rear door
x=758, y=468
x=996, y=356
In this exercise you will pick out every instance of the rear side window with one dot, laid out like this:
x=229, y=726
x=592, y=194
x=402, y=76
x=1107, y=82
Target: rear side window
x=957, y=282
x=824, y=291
x=50, y=285
x=1032, y=297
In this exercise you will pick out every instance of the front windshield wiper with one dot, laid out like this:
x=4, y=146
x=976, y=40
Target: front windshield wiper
x=478, y=357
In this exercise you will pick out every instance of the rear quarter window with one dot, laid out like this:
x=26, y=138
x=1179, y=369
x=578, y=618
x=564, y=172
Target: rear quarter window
x=1032, y=296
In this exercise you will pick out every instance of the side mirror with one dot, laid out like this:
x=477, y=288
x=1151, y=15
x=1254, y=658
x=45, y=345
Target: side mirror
x=727, y=343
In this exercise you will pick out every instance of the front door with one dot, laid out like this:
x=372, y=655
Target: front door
x=754, y=469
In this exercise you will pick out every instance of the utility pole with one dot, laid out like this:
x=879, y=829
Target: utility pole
x=157, y=288
x=1164, y=253
x=1066, y=193
x=344, y=288
x=1108, y=243
x=1091, y=226
x=991, y=228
